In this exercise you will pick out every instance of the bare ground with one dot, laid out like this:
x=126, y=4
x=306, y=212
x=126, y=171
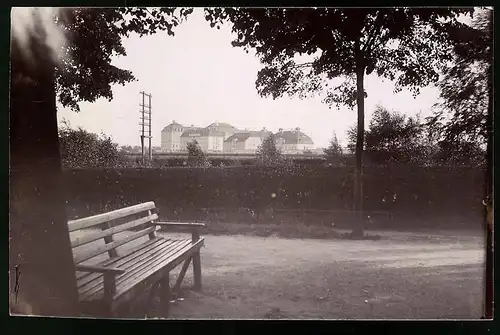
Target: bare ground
x=400, y=276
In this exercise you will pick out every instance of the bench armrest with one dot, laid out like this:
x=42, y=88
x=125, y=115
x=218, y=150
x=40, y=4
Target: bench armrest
x=194, y=227
x=98, y=269
x=181, y=224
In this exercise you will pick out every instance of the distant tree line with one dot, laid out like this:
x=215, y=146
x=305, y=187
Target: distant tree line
x=392, y=137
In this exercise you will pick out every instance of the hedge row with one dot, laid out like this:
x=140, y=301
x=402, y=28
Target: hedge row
x=409, y=191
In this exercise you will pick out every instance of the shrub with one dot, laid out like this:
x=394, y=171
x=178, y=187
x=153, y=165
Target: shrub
x=196, y=156
x=268, y=155
x=82, y=149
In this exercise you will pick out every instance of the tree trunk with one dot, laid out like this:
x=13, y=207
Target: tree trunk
x=41, y=268
x=358, y=229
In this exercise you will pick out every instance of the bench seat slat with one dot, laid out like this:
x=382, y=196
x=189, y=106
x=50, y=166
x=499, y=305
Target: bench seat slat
x=98, y=269
x=85, y=286
x=144, y=260
x=85, y=283
x=124, y=263
x=111, y=261
x=113, y=215
x=102, y=249
x=166, y=262
x=118, y=229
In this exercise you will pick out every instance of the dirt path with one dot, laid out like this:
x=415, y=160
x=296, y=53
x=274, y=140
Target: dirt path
x=405, y=276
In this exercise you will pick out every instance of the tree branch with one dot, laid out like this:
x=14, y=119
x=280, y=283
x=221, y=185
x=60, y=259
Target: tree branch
x=373, y=33
x=298, y=66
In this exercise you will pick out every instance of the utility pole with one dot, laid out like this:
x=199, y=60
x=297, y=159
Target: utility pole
x=146, y=124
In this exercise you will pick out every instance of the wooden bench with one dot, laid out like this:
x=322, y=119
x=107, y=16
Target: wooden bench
x=132, y=258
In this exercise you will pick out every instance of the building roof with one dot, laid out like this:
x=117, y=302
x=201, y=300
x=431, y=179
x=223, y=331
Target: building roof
x=170, y=126
x=215, y=126
x=238, y=137
x=201, y=132
x=293, y=137
x=243, y=136
x=223, y=127
x=260, y=133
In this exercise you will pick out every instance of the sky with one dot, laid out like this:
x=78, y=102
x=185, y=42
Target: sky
x=197, y=77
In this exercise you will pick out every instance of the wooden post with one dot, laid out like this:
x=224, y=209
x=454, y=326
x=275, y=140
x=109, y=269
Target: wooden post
x=197, y=271
x=195, y=235
x=142, y=130
x=145, y=122
x=151, y=235
x=109, y=239
x=150, y=148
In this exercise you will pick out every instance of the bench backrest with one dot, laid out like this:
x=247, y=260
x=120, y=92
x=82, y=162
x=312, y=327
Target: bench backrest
x=139, y=218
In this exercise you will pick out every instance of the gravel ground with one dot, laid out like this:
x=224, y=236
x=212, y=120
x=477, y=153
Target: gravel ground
x=400, y=276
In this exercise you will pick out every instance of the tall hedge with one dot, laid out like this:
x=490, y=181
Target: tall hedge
x=409, y=191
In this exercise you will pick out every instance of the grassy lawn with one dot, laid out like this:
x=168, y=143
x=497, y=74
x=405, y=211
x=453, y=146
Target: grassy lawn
x=400, y=276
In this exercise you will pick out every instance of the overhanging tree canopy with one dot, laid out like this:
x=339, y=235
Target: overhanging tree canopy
x=406, y=45
x=466, y=86
x=94, y=36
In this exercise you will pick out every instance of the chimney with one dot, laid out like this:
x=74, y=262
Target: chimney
x=280, y=130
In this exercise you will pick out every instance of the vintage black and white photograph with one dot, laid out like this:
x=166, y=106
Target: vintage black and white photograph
x=251, y=163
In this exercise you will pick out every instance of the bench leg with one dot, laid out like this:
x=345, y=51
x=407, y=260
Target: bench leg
x=152, y=302
x=166, y=294
x=177, y=286
x=197, y=271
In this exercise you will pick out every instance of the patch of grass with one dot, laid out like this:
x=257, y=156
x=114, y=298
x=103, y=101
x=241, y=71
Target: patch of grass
x=266, y=230
x=368, y=237
x=295, y=229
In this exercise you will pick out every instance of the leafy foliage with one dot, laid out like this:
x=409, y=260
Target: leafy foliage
x=93, y=36
x=460, y=153
x=81, y=149
x=466, y=86
x=392, y=137
x=267, y=153
x=196, y=156
x=463, y=119
x=401, y=44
